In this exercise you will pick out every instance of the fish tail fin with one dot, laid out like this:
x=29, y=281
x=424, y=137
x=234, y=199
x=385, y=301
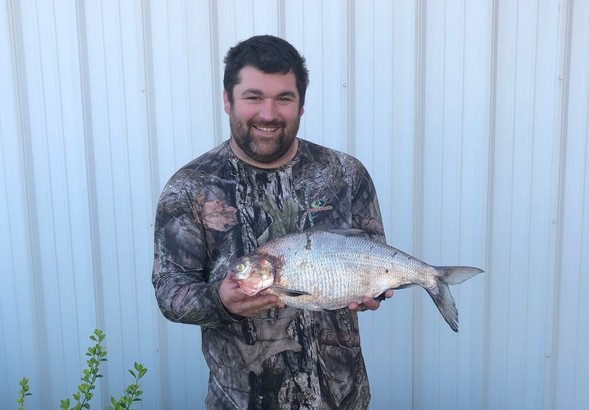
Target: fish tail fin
x=445, y=303
x=440, y=294
x=454, y=275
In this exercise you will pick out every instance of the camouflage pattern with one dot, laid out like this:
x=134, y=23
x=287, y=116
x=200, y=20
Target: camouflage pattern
x=218, y=208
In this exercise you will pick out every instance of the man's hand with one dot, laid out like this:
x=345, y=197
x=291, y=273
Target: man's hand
x=369, y=303
x=238, y=303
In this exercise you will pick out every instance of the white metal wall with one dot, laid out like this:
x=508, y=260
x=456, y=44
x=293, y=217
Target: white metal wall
x=472, y=116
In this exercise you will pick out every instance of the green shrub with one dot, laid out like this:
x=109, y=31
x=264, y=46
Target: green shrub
x=81, y=398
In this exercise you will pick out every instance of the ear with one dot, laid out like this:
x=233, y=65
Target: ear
x=302, y=111
x=226, y=102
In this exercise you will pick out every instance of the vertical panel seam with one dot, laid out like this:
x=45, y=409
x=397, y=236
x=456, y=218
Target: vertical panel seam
x=420, y=63
x=215, y=70
x=558, y=182
x=351, y=58
x=150, y=110
x=24, y=120
x=89, y=157
x=154, y=170
x=490, y=189
x=281, y=18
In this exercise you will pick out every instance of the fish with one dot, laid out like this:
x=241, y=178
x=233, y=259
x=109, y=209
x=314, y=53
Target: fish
x=327, y=270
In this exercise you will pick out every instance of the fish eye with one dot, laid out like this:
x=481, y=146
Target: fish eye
x=240, y=267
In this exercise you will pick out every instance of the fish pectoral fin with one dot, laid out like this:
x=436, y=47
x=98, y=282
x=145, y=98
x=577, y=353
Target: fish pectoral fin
x=289, y=292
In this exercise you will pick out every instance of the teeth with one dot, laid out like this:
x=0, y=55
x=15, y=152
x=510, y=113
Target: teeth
x=265, y=129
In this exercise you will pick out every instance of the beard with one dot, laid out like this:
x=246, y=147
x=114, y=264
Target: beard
x=263, y=149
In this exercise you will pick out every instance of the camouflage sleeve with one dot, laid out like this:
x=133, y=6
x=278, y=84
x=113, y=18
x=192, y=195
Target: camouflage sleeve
x=180, y=278
x=366, y=210
x=365, y=207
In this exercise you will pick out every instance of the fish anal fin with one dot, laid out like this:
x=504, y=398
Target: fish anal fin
x=405, y=286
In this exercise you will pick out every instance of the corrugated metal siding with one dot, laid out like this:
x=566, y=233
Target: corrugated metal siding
x=472, y=116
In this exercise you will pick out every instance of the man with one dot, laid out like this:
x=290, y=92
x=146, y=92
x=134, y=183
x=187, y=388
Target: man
x=263, y=183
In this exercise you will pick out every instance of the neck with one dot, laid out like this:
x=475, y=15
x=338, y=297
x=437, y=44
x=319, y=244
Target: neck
x=286, y=158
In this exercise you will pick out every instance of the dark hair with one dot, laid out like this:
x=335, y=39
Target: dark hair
x=268, y=54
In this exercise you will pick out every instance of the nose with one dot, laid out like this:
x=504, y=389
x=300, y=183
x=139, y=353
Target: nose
x=268, y=111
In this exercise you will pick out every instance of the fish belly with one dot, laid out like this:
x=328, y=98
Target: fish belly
x=331, y=275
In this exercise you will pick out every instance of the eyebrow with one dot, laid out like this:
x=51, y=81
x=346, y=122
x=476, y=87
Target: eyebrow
x=255, y=91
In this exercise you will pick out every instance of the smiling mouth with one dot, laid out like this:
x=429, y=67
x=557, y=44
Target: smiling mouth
x=266, y=129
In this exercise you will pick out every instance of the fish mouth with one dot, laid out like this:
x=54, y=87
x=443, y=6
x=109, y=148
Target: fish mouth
x=249, y=290
x=253, y=274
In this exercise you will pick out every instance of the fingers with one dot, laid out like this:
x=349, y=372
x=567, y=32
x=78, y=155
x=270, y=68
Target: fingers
x=238, y=303
x=254, y=305
x=356, y=307
x=369, y=303
x=385, y=295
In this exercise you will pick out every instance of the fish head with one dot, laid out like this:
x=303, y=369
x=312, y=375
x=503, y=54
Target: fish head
x=253, y=273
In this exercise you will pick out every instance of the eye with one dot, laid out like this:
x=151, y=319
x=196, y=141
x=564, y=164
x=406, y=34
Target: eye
x=284, y=100
x=240, y=267
x=252, y=97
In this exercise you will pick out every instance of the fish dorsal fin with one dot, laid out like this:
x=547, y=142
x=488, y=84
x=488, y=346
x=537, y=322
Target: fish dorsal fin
x=289, y=292
x=350, y=232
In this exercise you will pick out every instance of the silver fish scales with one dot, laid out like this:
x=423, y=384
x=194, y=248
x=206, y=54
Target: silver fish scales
x=324, y=270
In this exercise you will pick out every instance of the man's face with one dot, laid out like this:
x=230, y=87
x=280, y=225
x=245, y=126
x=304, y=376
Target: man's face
x=265, y=115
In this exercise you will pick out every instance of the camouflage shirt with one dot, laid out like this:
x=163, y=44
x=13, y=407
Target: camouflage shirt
x=218, y=208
